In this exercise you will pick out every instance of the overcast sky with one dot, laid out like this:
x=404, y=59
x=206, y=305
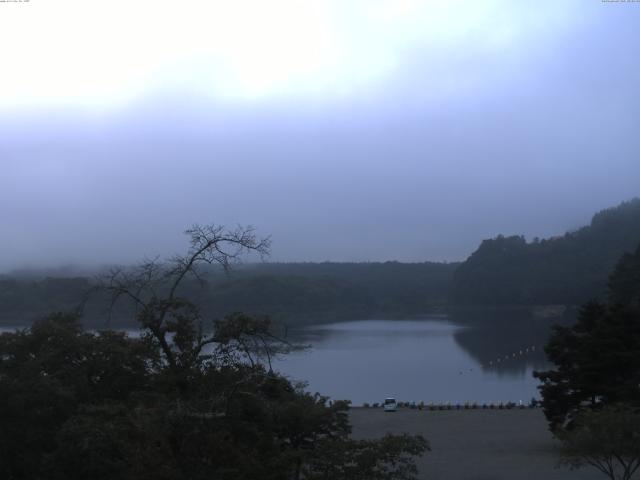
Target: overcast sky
x=347, y=130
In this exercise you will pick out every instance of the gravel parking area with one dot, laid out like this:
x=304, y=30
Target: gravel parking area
x=475, y=444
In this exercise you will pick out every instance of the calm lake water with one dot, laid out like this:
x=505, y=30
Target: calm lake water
x=434, y=359
x=474, y=356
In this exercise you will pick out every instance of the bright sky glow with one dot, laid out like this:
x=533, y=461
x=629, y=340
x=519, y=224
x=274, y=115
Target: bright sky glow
x=348, y=129
x=104, y=53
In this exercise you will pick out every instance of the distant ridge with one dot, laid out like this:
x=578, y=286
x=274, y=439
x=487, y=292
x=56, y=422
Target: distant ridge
x=569, y=269
x=297, y=292
x=565, y=270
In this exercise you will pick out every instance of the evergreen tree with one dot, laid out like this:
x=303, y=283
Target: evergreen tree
x=597, y=360
x=570, y=269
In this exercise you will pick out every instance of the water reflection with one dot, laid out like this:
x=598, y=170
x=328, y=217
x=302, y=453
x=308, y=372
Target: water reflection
x=509, y=343
x=436, y=359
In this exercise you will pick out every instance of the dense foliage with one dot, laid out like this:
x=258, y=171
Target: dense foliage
x=597, y=360
x=185, y=400
x=289, y=292
x=80, y=405
x=25, y=299
x=331, y=290
x=624, y=283
x=571, y=269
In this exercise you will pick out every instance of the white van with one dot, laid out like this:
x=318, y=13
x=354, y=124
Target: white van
x=390, y=405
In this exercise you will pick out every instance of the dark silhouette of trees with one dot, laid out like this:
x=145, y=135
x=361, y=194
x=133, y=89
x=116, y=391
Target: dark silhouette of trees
x=597, y=360
x=606, y=439
x=187, y=399
x=569, y=270
x=154, y=288
x=592, y=397
x=286, y=291
x=50, y=372
x=624, y=283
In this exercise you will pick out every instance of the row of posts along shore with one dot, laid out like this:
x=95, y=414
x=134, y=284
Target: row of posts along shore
x=461, y=406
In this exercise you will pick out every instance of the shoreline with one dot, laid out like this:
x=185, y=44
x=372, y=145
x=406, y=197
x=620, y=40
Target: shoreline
x=440, y=406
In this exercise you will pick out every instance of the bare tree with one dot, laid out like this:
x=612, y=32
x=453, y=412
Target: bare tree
x=153, y=287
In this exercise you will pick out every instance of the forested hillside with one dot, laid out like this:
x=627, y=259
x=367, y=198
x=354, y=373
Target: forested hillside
x=290, y=291
x=23, y=300
x=624, y=283
x=503, y=271
x=562, y=270
x=352, y=290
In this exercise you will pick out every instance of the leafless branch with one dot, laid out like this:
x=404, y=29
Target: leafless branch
x=153, y=286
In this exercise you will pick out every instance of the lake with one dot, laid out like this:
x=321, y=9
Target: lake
x=458, y=358
x=478, y=356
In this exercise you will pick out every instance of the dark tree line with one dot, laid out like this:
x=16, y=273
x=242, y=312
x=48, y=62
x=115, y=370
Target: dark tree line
x=295, y=293
x=592, y=396
x=569, y=270
x=22, y=300
x=187, y=399
x=597, y=360
x=313, y=291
